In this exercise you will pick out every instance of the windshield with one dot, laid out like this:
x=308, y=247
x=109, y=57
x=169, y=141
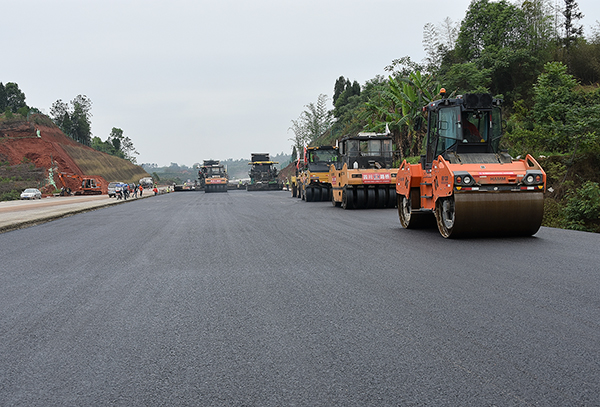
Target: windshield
x=370, y=148
x=214, y=172
x=322, y=156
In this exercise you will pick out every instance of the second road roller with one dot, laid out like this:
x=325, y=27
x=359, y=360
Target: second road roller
x=464, y=179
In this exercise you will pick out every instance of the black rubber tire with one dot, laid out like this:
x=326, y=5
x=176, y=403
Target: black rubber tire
x=371, y=196
x=361, y=199
x=310, y=192
x=348, y=198
x=391, y=194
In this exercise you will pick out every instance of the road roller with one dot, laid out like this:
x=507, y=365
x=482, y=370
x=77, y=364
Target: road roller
x=314, y=182
x=464, y=181
x=364, y=176
x=212, y=176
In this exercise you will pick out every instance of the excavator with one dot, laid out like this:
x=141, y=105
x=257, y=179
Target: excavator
x=464, y=180
x=81, y=185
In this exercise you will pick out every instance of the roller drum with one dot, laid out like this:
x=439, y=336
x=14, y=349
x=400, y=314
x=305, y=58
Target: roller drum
x=490, y=214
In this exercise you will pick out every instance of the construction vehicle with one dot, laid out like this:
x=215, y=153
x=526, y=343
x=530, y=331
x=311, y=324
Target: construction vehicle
x=295, y=179
x=364, y=177
x=212, y=176
x=146, y=182
x=464, y=180
x=314, y=183
x=80, y=184
x=263, y=174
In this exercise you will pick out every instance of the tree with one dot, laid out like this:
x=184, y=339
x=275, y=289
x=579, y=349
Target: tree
x=349, y=90
x=15, y=98
x=572, y=31
x=566, y=116
x=400, y=108
x=61, y=116
x=75, y=119
x=2, y=98
x=312, y=123
x=122, y=145
x=496, y=36
x=340, y=85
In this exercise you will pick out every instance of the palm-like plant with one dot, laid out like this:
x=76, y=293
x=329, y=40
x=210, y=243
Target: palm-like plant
x=400, y=106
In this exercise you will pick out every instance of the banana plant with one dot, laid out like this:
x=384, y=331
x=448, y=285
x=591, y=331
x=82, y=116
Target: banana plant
x=400, y=107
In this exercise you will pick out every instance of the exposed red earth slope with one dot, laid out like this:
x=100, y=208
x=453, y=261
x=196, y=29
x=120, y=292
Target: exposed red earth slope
x=19, y=143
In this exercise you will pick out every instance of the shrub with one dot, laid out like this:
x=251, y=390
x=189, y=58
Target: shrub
x=582, y=210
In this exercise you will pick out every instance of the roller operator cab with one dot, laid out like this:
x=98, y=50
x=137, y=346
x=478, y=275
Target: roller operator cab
x=314, y=182
x=464, y=180
x=364, y=177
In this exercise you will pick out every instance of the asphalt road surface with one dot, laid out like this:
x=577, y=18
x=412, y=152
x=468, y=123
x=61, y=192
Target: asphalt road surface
x=260, y=299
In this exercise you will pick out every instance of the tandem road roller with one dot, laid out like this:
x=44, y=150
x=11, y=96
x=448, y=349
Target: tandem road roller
x=464, y=180
x=364, y=177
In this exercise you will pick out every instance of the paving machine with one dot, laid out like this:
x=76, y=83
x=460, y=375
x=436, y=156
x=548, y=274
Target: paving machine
x=263, y=174
x=314, y=183
x=364, y=176
x=212, y=177
x=464, y=180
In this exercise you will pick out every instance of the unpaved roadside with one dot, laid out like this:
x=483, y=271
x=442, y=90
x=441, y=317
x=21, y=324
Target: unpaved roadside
x=20, y=214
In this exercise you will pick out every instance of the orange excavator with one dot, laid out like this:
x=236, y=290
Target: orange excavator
x=81, y=185
x=465, y=181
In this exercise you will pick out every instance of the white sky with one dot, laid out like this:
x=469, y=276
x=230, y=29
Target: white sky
x=189, y=80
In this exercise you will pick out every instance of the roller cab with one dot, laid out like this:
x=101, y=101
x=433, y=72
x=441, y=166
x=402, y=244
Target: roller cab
x=364, y=177
x=464, y=181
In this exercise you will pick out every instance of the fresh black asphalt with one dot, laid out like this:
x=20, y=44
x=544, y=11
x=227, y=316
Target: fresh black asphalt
x=260, y=299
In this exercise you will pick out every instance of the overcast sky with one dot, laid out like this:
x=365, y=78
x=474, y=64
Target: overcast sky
x=189, y=80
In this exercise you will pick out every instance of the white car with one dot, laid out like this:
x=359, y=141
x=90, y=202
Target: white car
x=31, y=193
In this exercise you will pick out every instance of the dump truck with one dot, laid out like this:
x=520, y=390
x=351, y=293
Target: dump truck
x=263, y=174
x=364, y=176
x=212, y=177
x=464, y=180
x=314, y=183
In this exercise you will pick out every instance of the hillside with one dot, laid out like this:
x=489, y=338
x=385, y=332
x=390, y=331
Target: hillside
x=54, y=152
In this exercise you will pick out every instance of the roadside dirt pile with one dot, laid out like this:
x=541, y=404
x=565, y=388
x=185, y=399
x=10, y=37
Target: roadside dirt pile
x=41, y=143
